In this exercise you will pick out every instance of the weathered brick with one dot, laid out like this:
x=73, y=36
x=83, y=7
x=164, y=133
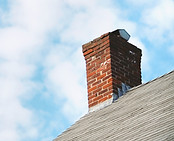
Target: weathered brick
x=103, y=91
x=91, y=74
x=87, y=52
x=93, y=104
x=101, y=84
x=107, y=85
x=101, y=76
x=92, y=89
x=110, y=61
x=97, y=98
x=97, y=90
x=103, y=99
x=91, y=97
x=95, y=83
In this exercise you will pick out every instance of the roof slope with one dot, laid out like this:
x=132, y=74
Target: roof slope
x=145, y=113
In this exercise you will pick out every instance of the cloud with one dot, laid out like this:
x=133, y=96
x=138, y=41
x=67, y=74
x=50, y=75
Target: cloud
x=24, y=31
x=90, y=20
x=142, y=2
x=43, y=38
x=96, y=18
x=64, y=64
x=13, y=114
x=63, y=77
x=159, y=21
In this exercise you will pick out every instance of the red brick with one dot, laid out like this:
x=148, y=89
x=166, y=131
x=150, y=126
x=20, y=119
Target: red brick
x=89, y=94
x=109, y=96
x=91, y=74
x=110, y=80
x=101, y=84
x=93, y=104
x=107, y=85
x=92, y=89
x=91, y=97
x=97, y=98
x=107, y=93
x=103, y=91
x=101, y=76
x=103, y=99
x=97, y=90
x=91, y=81
x=105, y=79
x=99, y=81
x=100, y=69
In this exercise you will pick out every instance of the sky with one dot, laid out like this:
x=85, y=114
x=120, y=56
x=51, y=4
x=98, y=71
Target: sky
x=42, y=69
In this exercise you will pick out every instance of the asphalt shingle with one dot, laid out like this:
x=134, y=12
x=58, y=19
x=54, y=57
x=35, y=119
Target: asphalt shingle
x=144, y=113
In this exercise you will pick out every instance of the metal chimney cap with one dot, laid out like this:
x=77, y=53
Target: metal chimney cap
x=123, y=34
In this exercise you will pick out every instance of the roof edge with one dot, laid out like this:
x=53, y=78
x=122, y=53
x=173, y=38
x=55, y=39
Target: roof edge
x=136, y=87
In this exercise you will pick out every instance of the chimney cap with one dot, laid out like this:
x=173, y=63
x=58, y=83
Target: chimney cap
x=123, y=34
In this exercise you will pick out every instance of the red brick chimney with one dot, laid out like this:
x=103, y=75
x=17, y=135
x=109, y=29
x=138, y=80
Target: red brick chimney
x=113, y=66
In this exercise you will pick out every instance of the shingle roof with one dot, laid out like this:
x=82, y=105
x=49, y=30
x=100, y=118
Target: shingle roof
x=145, y=113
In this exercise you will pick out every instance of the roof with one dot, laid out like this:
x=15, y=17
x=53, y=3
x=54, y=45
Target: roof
x=145, y=112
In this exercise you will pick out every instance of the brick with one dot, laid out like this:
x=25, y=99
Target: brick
x=109, y=96
x=87, y=52
x=89, y=101
x=97, y=90
x=89, y=94
x=93, y=104
x=100, y=69
x=105, y=78
x=108, y=57
x=101, y=76
x=103, y=91
x=92, y=89
x=97, y=98
x=91, y=97
x=88, y=86
x=110, y=80
x=95, y=83
x=91, y=81
x=103, y=99
x=106, y=70
x=107, y=85
x=101, y=84
x=107, y=93
x=91, y=74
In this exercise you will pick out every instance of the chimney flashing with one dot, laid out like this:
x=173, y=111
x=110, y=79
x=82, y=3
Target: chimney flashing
x=101, y=105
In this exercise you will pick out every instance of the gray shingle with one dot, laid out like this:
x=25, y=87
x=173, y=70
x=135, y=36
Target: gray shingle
x=146, y=112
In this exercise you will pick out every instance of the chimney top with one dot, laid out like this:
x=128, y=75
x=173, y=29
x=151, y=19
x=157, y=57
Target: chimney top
x=122, y=33
x=112, y=66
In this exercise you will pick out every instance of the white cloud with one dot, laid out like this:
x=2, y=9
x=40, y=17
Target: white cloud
x=38, y=16
x=24, y=47
x=160, y=21
x=142, y=2
x=12, y=113
x=64, y=78
x=91, y=20
x=63, y=69
x=27, y=24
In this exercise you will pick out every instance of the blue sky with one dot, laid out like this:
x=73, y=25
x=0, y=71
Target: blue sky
x=42, y=69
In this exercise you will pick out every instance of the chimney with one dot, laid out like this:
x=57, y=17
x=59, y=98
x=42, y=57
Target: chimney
x=112, y=66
